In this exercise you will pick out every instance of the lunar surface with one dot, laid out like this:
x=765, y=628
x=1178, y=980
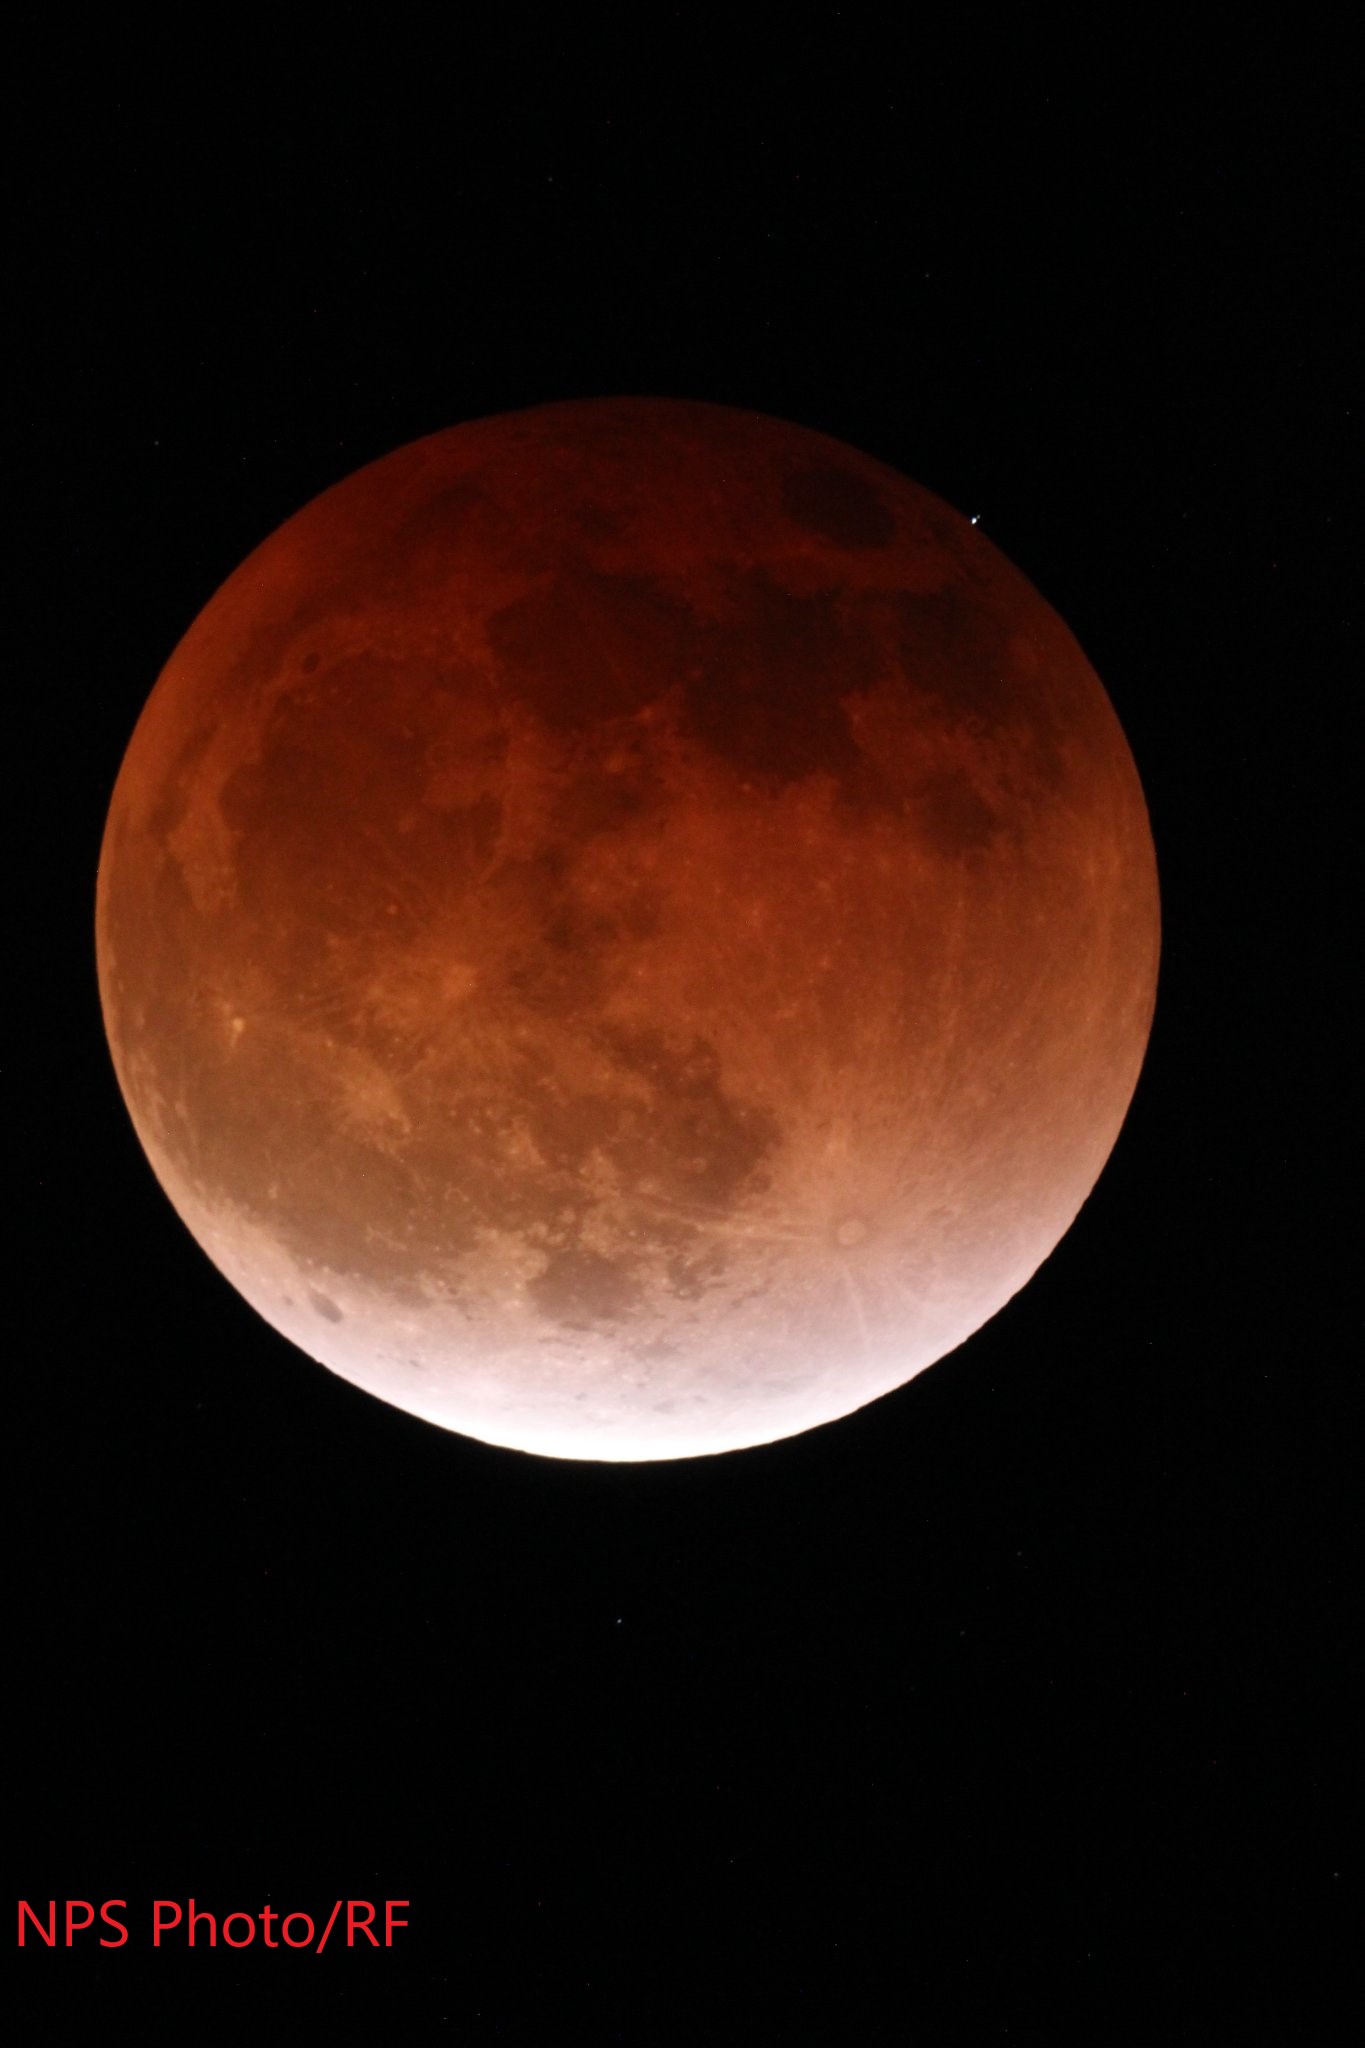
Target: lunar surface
x=627, y=929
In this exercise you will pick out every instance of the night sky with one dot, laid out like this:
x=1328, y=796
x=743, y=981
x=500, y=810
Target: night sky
x=1013, y=1706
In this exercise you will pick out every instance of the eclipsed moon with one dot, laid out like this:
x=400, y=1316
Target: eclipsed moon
x=627, y=929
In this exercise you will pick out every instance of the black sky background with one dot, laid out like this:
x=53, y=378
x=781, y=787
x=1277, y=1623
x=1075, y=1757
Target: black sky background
x=1013, y=1706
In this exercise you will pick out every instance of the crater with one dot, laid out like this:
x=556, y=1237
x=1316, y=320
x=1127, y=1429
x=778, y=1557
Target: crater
x=325, y=1306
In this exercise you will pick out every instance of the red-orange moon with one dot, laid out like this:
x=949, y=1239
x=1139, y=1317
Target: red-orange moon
x=627, y=929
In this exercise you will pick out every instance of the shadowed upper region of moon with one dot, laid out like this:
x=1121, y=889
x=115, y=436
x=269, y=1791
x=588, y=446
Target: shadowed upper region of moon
x=835, y=503
x=627, y=929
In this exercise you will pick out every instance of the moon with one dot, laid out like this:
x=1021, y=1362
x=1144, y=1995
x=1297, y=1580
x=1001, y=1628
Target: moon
x=627, y=929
